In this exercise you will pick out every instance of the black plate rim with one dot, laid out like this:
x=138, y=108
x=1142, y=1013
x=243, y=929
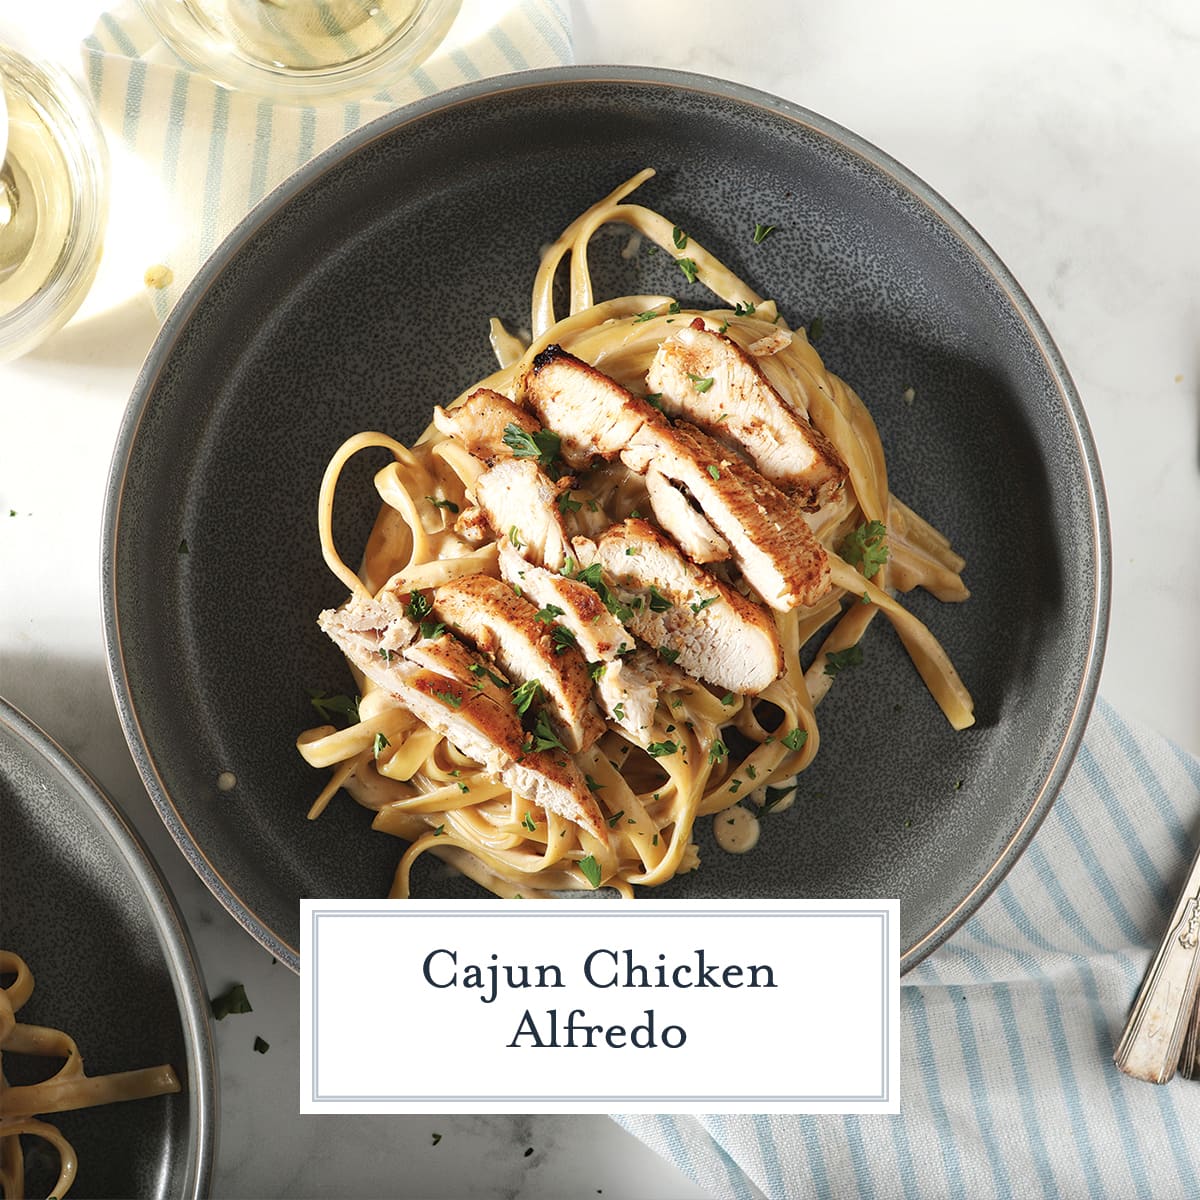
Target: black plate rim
x=563, y=77
x=179, y=953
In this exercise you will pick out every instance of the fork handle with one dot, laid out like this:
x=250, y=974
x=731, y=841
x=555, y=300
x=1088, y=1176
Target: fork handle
x=1153, y=1040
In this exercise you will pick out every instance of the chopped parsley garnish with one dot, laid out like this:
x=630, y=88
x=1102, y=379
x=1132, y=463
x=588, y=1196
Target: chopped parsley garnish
x=866, y=548
x=865, y=598
x=717, y=751
x=439, y=831
x=735, y=786
x=526, y=694
x=688, y=267
x=543, y=445
x=566, y=504
x=701, y=382
x=836, y=660
x=631, y=551
x=774, y=797
x=762, y=232
x=728, y=699
x=451, y=698
x=723, y=326
x=462, y=787
x=544, y=738
x=648, y=315
x=593, y=786
x=654, y=840
x=654, y=399
x=612, y=821
x=380, y=744
x=514, y=536
x=816, y=327
x=448, y=504
x=794, y=739
x=183, y=546
x=418, y=606
x=703, y=604
x=661, y=749
x=529, y=823
x=593, y=506
x=591, y=576
x=596, y=670
x=432, y=629
x=591, y=870
x=563, y=638
x=658, y=602
x=261, y=1046
x=744, y=310
x=667, y=654
x=546, y=615
x=714, y=471
x=751, y=771
x=479, y=670
x=232, y=1001
x=385, y=654
x=335, y=706
x=619, y=712
x=679, y=238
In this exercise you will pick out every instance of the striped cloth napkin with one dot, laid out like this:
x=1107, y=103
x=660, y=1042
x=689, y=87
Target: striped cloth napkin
x=1008, y=1088
x=217, y=152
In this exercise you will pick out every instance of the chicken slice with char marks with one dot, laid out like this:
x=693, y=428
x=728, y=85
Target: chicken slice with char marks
x=434, y=680
x=718, y=635
x=592, y=414
x=479, y=423
x=768, y=537
x=706, y=378
x=627, y=695
x=521, y=503
x=487, y=613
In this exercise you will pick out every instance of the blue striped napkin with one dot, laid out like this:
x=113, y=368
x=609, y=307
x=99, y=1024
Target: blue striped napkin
x=1008, y=1030
x=217, y=152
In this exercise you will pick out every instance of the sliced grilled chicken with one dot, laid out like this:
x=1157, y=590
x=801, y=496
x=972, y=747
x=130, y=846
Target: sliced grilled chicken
x=713, y=632
x=592, y=414
x=434, y=680
x=490, y=616
x=767, y=535
x=521, y=503
x=380, y=627
x=628, y=696
x=708, y=379
x=479, y=423
x=690, y=529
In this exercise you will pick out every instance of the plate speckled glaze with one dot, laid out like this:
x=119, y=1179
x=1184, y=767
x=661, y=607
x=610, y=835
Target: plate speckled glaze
x=113, y=967
x=357, y=296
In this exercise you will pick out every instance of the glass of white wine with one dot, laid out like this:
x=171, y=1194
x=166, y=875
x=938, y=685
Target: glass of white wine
x=53, y=199
x=303, y=50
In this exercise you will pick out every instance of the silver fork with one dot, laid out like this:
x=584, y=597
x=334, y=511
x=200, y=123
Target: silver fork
x=1164, y=1024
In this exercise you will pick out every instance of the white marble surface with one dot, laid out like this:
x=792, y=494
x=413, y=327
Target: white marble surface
x=1067, y=132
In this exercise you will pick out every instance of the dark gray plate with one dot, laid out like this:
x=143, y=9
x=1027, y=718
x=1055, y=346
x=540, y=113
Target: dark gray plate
x=356, y=297
x=113, y=967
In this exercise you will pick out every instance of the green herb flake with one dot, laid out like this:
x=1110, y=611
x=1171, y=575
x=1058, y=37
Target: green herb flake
x=593, y=786
x=567, y=505
x=479, y=669
x=529, y=823
x=773, y=797
x=762, y=232
x=439, y=831
x=864, y=598
x=546, y=615
x=544, y=738
x=593, y=506
x=744, y=310
x=514, y=536
x=667, y=654
x=446, y=504
x=619, y=712
x=679, y=238
x=230, y=1002
x=658, y=602
x=816, y=327
x=837, y=660
x=450, y=698
x=612, y=821
x=596, y=670
x=380, y=744
x=701, y=605
x=563, y=638
x=432, y=629
x=662, y=749
x=543, y=445
x=340, y=706
x=735, y=786
x=654, y=840
x=794, y=739
x=648, y=315
x=462, y=787
x=723, y=326
x=418, y=606
x=866, y=548
x=751, y=771
x=688, y=267
x=261, y=1046
x=728, y=699
x=591, y=870
x=700, y=382
x=183, y=546
x=714, y=471
x=526, y=694
x=717, y=751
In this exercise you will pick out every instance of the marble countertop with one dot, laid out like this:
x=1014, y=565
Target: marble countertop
x=1068, y=134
